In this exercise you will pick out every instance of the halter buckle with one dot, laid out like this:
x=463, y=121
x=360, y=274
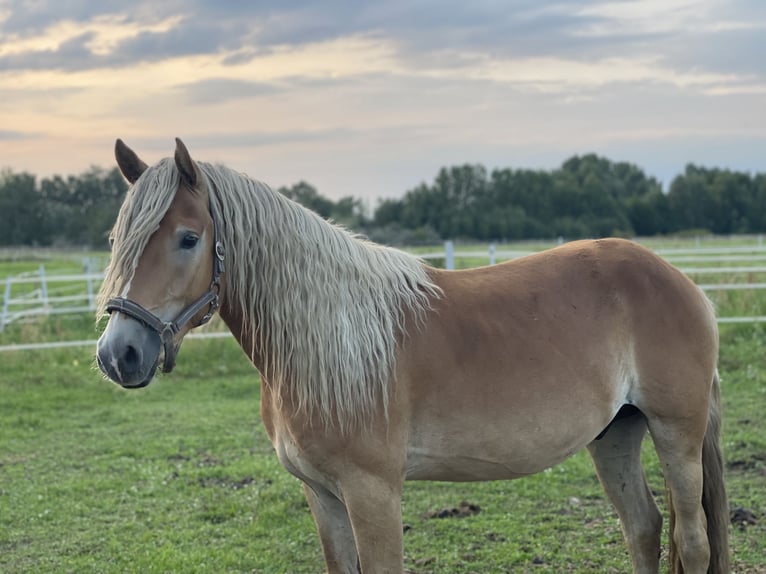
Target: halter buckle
x=214, y=305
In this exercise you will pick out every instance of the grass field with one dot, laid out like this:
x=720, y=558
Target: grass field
x=180, y=477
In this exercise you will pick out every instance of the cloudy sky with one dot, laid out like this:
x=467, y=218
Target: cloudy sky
x=372, y=98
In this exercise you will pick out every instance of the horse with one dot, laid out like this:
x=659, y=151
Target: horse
x=377, y=368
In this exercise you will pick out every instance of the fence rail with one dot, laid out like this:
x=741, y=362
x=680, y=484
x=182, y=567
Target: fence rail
x=74, y=293
x=700, y=255
x=50, y=295
x=92, y=343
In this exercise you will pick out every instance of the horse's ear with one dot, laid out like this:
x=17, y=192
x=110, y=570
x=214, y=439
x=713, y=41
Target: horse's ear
x=130, y=164
x=185, y=164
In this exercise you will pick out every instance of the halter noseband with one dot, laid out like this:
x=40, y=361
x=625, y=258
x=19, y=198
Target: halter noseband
x=167, y=330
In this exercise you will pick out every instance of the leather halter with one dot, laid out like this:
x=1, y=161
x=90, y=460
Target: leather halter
x=167, y=330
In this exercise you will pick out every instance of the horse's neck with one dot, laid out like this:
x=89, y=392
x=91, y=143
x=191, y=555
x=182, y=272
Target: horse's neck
x=247, y=339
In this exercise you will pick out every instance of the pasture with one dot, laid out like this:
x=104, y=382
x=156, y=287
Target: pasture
x=180, y=477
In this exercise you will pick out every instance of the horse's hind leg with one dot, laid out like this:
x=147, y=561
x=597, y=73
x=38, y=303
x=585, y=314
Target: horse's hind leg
x=334, y=529
x=617, y=457
x=679, y=447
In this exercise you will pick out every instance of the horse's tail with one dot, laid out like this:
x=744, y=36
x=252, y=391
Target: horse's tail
x=714, y=501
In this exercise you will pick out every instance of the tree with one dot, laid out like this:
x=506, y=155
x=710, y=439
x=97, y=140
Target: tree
x=22, y=214
x=588, y=196
x=648, y=214
x=84, y=207
x=388, y=211
x=348, y=211
x=307, y=196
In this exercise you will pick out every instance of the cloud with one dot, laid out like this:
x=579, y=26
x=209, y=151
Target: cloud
x=426, y=35
x=220, y=90
x=260, y=138
x=76, y=45
x=247, y=50
x=13, y=135
x=72, y=54
x=243, y=139
x=710, y=35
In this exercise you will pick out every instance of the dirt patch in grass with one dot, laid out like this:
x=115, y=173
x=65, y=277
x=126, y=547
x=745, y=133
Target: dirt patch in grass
x=462, y=510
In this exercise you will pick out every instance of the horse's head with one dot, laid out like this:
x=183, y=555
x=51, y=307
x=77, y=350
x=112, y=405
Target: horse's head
x=160, y=286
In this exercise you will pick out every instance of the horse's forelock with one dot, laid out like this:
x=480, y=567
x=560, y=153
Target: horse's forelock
x=145, y=204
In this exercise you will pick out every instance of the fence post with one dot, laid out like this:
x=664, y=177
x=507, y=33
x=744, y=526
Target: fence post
x=43, y=288
x=449, y=254
x=4, y=315
x=91, y=304
x=491, y=253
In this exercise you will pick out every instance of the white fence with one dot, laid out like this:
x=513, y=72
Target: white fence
x=674, y=255
x=49, y=295
x=714, y=256
x=75, y=293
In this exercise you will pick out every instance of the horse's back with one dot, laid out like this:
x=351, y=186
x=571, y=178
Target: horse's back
x=582, y=292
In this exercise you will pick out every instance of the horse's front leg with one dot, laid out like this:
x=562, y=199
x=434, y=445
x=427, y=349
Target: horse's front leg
x=335, y=532
x=374, y=505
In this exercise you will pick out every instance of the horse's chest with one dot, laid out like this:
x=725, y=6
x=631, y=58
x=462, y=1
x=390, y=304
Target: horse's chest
x=301, y=464
x=297, y=464
x=290, y=455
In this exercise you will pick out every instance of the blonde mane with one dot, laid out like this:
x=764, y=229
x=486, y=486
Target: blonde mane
x=326, y=307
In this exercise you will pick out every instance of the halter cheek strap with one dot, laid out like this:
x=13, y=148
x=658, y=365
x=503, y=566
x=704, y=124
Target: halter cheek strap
x=167, y=330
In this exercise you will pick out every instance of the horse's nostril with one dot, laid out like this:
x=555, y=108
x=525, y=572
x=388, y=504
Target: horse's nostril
x=131, y=356
x=130, y=362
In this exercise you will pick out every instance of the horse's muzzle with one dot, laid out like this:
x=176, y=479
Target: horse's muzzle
x=130, y=359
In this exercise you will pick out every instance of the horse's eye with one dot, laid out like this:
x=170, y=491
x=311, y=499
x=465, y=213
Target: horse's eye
x=189, y=241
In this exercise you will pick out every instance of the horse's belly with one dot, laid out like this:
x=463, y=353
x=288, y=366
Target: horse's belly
x=473, y=462
x=457, y=468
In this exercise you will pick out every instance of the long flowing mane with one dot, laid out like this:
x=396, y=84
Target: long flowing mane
x=326, y=307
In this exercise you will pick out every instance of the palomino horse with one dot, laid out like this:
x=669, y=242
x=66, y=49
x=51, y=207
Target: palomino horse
x=377, y=368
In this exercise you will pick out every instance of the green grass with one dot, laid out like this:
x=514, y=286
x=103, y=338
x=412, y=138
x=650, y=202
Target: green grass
x=81, y=326
x=176, y=478
x=14, y=261
x=180, y=477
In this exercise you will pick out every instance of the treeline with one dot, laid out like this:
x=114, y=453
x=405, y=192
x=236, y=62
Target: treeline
x=72, y=211
x=588, y=196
